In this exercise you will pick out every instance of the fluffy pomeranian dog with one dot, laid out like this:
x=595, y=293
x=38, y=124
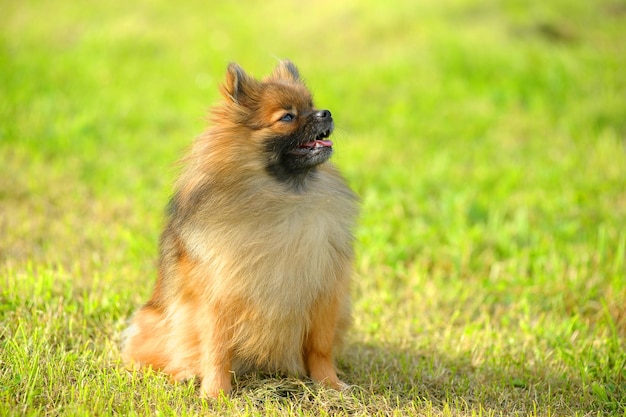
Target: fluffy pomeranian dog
x=256, y=255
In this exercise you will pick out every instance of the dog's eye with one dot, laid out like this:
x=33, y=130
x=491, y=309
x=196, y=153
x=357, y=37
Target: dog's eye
x=288, y=117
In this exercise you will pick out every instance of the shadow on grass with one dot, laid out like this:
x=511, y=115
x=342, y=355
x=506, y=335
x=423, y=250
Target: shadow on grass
x=385, y=379
x=436, y=381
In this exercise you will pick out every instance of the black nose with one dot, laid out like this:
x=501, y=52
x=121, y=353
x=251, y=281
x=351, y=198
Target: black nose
x=323, y=114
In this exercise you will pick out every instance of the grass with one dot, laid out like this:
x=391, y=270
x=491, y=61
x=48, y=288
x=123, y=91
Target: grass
x=486, y=139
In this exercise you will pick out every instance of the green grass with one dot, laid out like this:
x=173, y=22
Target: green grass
x=487, y=141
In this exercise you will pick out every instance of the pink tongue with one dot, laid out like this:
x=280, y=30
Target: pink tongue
x=315, y=142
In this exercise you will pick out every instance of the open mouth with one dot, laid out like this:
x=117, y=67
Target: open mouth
x=319, y=143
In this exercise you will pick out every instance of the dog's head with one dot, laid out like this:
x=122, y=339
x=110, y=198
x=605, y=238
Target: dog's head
x=281, y=121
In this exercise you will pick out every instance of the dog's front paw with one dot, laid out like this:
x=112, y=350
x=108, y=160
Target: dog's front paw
x=335, y=383
x=342, y=386
x=215, y=387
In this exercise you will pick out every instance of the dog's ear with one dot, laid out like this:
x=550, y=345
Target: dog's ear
x=238, y=87
x=286, y=70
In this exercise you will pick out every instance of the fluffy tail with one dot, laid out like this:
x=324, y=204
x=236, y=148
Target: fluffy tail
x=144, y=342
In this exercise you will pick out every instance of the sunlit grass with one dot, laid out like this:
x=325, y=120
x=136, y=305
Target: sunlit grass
x=486, y=140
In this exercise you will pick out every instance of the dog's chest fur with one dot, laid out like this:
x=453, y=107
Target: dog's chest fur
x=274, y=244
x=276, y=255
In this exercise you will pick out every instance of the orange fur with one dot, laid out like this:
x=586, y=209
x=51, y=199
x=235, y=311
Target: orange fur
x=254, y=270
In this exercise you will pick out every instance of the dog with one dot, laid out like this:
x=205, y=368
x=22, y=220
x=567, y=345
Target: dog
x=256, y=255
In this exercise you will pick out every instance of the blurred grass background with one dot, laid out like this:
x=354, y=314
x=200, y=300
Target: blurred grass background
x=488, y=143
